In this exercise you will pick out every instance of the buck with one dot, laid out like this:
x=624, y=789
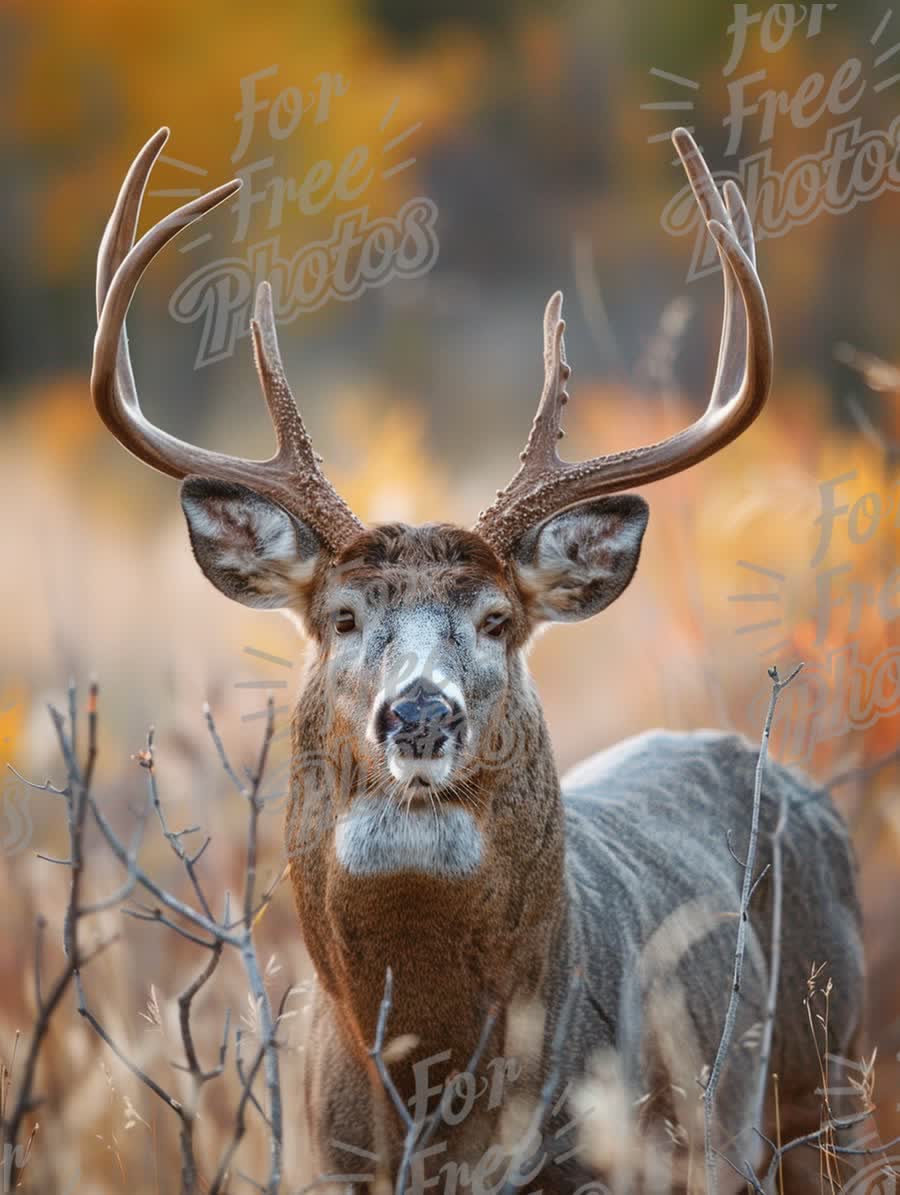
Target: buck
x=445, y=853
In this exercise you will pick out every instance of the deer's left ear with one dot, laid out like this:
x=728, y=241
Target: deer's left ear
x=578, y=562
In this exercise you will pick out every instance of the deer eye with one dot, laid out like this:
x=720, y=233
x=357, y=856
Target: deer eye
x=344, y=621
x=495, y=625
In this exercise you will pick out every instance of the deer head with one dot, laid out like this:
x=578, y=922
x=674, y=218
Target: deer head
x=419, y=632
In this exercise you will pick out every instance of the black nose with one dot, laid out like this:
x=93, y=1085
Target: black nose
x=421, y=720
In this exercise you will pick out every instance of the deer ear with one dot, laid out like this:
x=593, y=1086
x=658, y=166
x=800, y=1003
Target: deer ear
x=248, y=546
x=578, y=562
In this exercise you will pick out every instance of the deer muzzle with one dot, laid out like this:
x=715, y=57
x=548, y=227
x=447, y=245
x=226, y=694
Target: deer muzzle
x=420, y=729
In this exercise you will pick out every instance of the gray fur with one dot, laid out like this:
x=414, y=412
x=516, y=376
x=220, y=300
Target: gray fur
x=646, y=826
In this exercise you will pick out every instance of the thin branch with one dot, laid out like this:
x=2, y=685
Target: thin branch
x=169, y=1100
x=80, y=804
x=198, y=1075
x=162, y=895
x=240, y=1127
x=748, y=1174
x=419, y=1134
x=862, y=773
x=815, y=1138
x=709, y=1095
x=255, y=810
x=239, y=1067
x=756, y=883
x=46, y=787
x=220, y=749
x=557, y=1047
x=376, y=1053
x=777, y=865
x=145, y=913
x=267, y=1044
x=25, y=1100
x=147, y=761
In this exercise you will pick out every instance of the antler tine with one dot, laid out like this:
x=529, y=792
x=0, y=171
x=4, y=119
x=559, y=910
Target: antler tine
x=322, y=505
x=112, y=381
x=294, y=443
x=545, y=485
x=732, y=215
x=545, y=430
x=740, y=219
x=540, y=454
x=292, y=477
x=118, y=236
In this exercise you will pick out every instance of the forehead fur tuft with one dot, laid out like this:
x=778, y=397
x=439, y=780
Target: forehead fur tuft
x=431, y=546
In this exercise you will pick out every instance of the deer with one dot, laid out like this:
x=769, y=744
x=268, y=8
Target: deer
x=452, y=890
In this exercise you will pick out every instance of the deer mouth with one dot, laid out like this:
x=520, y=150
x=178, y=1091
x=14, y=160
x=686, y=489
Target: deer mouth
x=419, y=775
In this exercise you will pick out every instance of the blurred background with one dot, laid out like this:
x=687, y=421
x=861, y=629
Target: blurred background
x=529, y=141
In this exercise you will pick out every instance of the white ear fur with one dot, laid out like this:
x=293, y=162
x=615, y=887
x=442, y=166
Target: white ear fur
x=580, y=561
x=248, y=546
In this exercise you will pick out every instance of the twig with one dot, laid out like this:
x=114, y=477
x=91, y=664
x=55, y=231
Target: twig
x=147, y=760
x=419, y=1132
x=418, y=1137
x=198, y=1075
x=267, y=1045
x=748, y=1174
x=376, y=1053
x=815, y=1137
x=80, y=803
x=239, y=1067
x=46, y=787
x=220, y=748
x=240, y=1127
x=709, y=1095
x=862, y=773
x=777, y=865
x=144, y=913
x=25, y=1100
x=513, y=1181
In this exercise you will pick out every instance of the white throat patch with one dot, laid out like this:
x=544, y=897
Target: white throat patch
x=377, y=836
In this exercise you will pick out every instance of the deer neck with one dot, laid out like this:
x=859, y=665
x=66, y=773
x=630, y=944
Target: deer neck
x=455, y=943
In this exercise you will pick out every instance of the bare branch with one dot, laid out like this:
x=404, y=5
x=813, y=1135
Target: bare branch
x=862, y=773
x=542, y=1111
x=80, y=803
x=709, y=1095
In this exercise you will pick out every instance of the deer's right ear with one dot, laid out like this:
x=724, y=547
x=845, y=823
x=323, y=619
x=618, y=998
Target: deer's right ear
x=248, y=546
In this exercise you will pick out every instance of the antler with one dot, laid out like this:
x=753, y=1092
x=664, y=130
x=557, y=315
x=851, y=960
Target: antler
x=545, y=485
x=291, y=477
